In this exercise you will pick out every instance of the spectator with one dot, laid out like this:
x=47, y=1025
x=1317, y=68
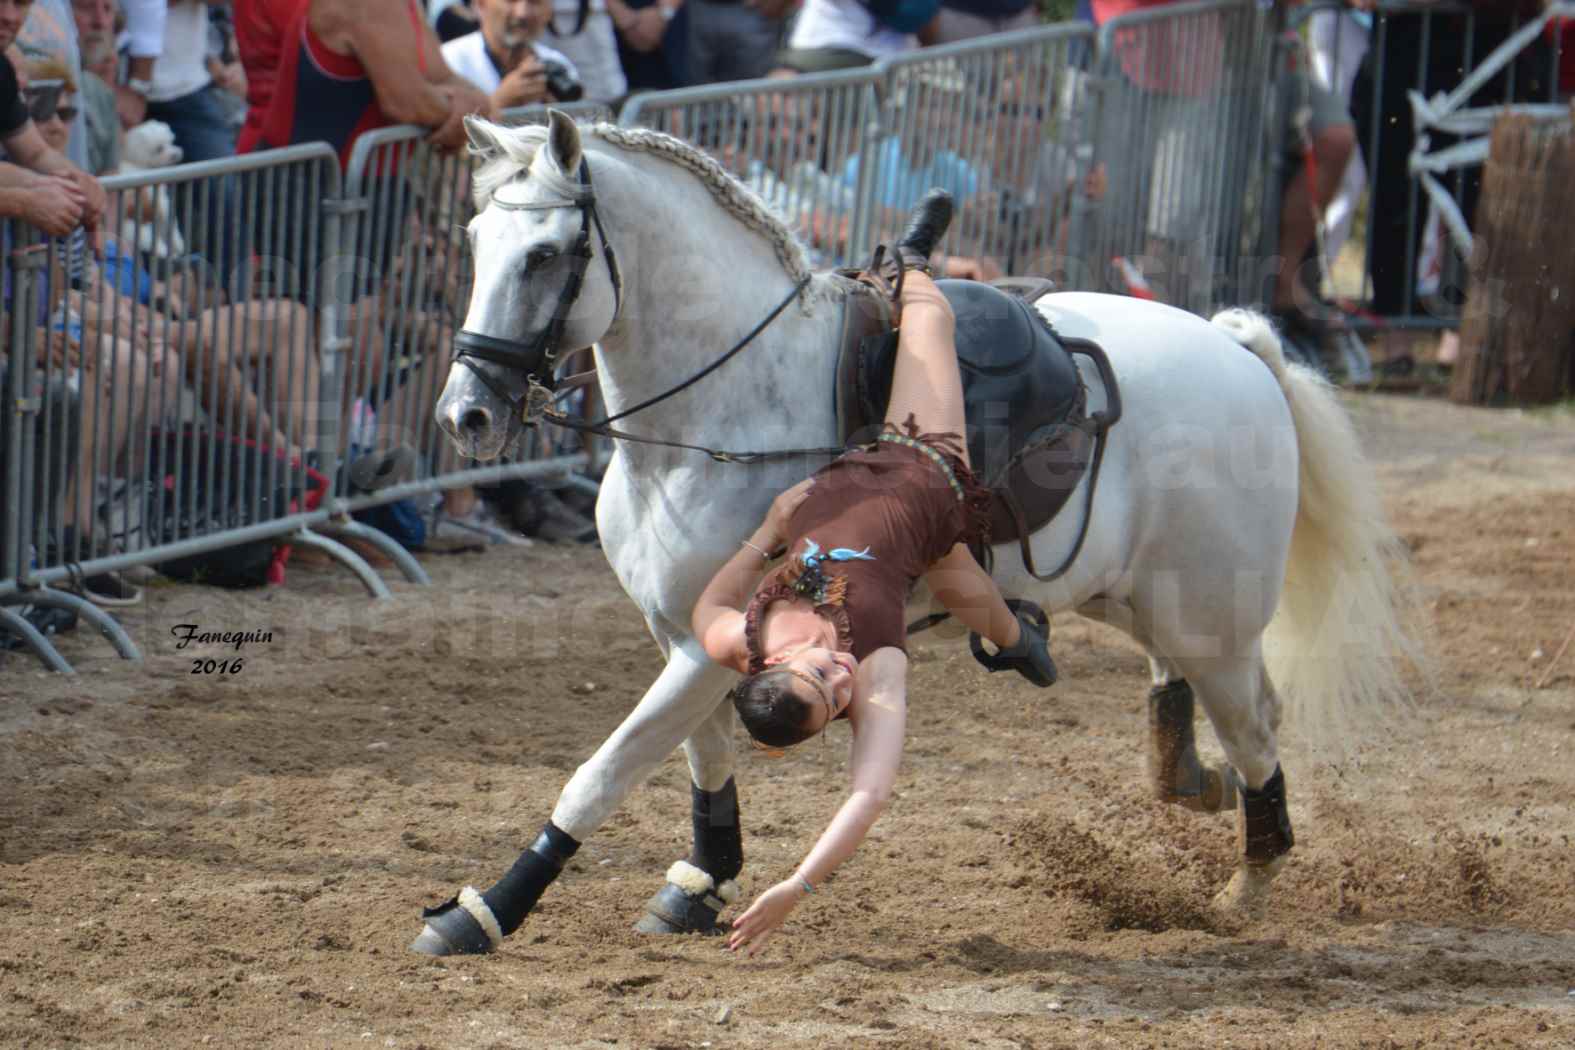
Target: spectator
x=47, y=191
x=653, y=43
x=1314, y=122
x=1338, y=41
x=730, y=39
x=224, y=65
x=452, y=19
x=63, y=196
x=1032, y=179
x=50, y=30
x=843, y=34
x=95, y=22
x=583, y=30
x=331, y=70
x=144, y=46
x=271, y=335
x=908, y=166
x=506, y=58
x=966, y=19
x=183, y=93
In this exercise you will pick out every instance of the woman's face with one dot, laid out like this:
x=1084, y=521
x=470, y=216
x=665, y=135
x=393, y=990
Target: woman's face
x=55, y=127
x=823, y=679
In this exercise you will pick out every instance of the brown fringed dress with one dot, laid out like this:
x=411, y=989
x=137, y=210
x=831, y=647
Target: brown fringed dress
x=905, y=502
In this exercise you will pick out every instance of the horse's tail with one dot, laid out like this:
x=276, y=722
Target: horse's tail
x=1338, y=643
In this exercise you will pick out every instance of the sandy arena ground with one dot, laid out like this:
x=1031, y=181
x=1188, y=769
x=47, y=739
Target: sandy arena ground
x=239, y=861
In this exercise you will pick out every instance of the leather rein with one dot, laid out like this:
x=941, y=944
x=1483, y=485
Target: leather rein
x=538, y=357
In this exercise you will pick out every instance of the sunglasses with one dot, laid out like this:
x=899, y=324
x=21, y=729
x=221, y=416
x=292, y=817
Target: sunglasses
x=43, y=100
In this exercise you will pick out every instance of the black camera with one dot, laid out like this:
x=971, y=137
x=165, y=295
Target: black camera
x=561, y=83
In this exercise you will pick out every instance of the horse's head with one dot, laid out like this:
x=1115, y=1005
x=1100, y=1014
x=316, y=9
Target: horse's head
x=545, y=280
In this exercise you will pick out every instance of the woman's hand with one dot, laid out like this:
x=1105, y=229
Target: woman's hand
x=782, y=509
x=751, y=929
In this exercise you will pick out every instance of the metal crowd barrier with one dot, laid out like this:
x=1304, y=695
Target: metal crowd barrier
x=1405, y=272
x=159, y=402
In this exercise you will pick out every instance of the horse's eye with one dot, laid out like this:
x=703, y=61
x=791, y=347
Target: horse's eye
x=538, y=257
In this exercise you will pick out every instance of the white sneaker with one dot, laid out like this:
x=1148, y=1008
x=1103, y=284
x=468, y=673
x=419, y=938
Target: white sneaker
x=480, y=523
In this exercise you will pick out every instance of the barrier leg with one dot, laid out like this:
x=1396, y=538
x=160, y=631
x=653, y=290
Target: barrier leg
x=106, y=623
x=17, y=624
x=369, y=578
x=385, y=544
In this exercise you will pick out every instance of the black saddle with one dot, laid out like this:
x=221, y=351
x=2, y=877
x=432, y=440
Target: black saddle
x=1030, y=438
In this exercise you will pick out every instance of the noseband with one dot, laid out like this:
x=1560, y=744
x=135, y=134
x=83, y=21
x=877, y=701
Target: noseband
x=538, y=357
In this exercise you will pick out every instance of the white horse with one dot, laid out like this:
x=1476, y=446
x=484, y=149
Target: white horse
x=1234, y=507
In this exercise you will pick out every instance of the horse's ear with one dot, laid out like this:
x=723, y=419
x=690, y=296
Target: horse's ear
x=483, y=137
x=564, y=137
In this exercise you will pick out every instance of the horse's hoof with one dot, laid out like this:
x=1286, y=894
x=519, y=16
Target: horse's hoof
x=1218, y=792
x=652, y=922
x=1248, y=889
x=689, y=902
x=462, y=925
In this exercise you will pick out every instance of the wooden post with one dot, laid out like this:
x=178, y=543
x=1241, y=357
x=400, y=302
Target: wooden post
x=1517, y=334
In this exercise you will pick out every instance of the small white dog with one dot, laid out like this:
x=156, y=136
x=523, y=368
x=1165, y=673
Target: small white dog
x=150, y=223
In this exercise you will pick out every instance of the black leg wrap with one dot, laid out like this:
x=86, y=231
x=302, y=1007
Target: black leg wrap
x=518, y=891
x=1174, y=770
x=1265, y=822
x=718, y=839
x=455, y=927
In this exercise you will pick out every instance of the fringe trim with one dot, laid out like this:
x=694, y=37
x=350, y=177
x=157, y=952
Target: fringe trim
x=975, y=498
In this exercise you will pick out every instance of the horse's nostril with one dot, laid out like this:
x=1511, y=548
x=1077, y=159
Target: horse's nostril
x=475, y=420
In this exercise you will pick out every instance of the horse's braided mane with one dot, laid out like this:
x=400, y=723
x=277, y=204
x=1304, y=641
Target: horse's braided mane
x=521, y=143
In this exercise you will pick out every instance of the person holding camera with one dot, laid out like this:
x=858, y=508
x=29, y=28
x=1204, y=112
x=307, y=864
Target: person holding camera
x=506, y=58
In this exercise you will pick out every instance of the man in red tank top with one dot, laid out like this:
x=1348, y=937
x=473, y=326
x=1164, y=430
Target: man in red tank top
x=330, y=70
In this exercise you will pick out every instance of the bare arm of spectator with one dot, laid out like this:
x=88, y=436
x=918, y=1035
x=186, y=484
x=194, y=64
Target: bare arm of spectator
x=464, y=98
x=385, y=38
x=52, y=205
x=29, y=150
x=144, y=44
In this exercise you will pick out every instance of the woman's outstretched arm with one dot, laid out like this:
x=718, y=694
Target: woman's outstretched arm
x=879, y=717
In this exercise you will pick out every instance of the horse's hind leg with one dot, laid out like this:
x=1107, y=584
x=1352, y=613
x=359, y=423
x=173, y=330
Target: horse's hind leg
x=698, y=888
x=1175, y=773
x=1241, y=703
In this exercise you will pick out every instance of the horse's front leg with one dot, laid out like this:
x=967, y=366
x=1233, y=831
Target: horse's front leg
x=697, y=889
x=683, y=696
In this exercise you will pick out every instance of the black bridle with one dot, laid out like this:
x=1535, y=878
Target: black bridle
x=538, y=357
